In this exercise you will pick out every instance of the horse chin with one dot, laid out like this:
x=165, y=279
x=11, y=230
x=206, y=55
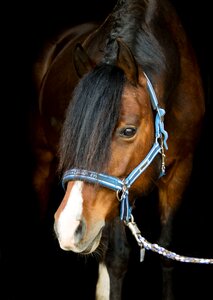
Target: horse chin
x=93, y=245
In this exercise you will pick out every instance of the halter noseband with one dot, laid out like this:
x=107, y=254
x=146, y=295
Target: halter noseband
x=122, y=186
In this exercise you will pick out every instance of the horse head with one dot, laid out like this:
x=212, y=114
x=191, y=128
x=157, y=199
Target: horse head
x=112, y=136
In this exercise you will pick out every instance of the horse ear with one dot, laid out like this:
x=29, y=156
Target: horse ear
x=82, y=62
x=127, y=62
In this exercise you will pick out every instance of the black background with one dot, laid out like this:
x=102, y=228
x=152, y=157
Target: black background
x=32, y=265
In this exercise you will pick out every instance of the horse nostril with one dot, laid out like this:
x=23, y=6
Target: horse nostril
x=79, y=232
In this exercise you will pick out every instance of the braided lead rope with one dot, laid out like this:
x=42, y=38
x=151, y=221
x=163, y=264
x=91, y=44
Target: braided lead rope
x=144, y=244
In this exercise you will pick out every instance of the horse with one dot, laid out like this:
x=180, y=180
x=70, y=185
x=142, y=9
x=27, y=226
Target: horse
x=120, y=111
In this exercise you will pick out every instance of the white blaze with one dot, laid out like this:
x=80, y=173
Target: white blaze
x=69, y=218
x=103, y=284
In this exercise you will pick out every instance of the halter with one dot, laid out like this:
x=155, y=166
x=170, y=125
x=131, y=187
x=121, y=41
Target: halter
x=122, y=186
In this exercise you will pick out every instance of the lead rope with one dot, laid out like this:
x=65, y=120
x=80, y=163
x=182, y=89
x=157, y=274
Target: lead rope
x=145, y=245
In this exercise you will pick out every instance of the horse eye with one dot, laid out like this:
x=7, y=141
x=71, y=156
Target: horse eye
x=127, y=132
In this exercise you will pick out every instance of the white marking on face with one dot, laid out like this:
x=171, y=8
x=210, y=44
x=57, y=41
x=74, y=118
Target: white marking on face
x=70, y=217
x=103, y=284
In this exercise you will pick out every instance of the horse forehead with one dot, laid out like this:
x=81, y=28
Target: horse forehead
x=135, y=101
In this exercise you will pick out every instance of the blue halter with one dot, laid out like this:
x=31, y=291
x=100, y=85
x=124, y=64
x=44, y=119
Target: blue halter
x=122, y=186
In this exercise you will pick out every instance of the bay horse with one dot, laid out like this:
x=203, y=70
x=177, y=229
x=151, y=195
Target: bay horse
x=121, y=106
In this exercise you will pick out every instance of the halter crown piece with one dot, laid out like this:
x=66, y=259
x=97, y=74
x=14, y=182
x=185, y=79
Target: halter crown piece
x=122, y=186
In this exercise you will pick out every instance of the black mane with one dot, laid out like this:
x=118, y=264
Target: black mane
x=91, y=118
x=142, y=25
x=134, y=22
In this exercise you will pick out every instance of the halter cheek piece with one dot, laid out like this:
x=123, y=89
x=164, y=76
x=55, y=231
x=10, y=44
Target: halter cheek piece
x=122, y=186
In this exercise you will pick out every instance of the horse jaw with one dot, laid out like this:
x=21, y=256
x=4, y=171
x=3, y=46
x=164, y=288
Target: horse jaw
x=70, y=226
